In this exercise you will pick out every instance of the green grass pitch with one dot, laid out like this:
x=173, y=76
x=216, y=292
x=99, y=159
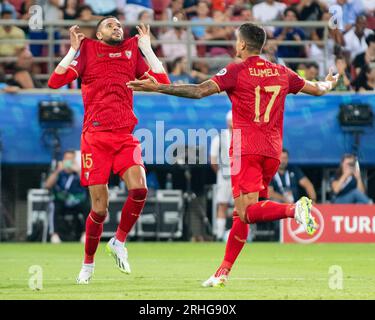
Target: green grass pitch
x=175, y=271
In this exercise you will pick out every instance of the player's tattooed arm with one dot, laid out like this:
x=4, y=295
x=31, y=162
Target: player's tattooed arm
x=192, y=91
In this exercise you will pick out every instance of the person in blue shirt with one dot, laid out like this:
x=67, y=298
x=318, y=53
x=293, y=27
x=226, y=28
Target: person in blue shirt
x=203, y=11
x=69, y=197
x=290, y=34
x=178, y=74
x=288, y=181
x=347, y=186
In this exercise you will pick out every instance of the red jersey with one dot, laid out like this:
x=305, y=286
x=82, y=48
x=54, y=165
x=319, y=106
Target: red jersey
x=104, y=71
x=257, y=89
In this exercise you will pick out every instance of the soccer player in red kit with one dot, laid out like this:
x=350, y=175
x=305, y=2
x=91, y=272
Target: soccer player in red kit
x=257, y=89
x=107, y=143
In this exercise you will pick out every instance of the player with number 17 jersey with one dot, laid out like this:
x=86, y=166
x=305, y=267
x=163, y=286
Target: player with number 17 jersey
x=257, y=89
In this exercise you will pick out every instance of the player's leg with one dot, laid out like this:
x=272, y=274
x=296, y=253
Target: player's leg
x=95, y=170
x=236, y=241
x=254, y=211
x=135, y=180
x=129, y=165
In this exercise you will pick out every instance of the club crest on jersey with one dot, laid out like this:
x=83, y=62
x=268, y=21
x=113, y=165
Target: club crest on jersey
x=222, y=72
x=87, y=174
x=128, y=54
x=115, y=55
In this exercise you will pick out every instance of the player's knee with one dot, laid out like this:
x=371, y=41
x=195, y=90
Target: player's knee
x=139, y=194
x=100, y=205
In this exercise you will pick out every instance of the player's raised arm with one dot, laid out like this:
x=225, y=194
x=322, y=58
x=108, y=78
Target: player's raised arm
x=193, y=91
x=63, y=74
x=320, y=88
x=156, y=67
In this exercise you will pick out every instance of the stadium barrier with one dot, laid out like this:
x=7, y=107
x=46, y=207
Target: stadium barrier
x=337, y=223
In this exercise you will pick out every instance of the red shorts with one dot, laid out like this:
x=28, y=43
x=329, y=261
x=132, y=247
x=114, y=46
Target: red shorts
x=252, y=173
x=103, y=151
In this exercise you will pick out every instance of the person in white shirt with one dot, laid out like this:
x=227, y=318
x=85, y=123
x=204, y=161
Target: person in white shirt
x=268, y=10
x=355, y=38
x=219, y=158
x=179, y=34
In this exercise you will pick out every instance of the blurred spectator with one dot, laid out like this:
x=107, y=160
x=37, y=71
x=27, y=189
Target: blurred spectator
x=178, y=74
x=347, y=185
x=200, y=71
x=6, y=86
x=190, y=8
x=355, y=38
x=69, y=197
x=343, y=84
x=309, y=10
x=51, y=9
x=369, y=6
x=86, y=14
x=219, y=33
x=70, y=9
x=290, y=34
x=312, y=72
x=23, y=75
x=235, y=8
x=178, y=34
x=203, y=11
x=287, y=181
x=351, y=9
x=24, y=8
x=366, y=78
x=268, y=10
x=270, y=52
x=246, y=15
x=133, y=8
x=175, y=7
x=364, y=58
x=105, y=8
x=5, y=6
x=317, y=51
x=10, y=32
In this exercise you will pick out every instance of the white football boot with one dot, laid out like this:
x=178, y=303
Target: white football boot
x=216, y=282
x=85, y=275
x=302, y=215
x=120, y=254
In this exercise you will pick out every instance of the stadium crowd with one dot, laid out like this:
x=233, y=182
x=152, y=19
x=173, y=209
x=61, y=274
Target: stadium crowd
x=350, y=45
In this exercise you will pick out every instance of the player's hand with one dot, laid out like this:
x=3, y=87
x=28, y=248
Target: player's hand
x=144, y=37
x=76, y=37
x=332, y=78
x=150, y=84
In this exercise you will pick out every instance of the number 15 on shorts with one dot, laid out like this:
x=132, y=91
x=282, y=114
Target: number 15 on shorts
x=87, y=160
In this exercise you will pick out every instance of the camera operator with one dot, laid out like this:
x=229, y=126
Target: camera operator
x=69, y=197
x=347, y=185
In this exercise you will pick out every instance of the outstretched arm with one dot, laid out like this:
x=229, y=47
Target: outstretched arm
x=192, y=91
x=156, y=68
x=63, y=74
x=320, y=88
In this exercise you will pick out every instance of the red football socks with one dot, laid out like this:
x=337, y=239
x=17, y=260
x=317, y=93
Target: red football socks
x=237, y=239
x=94, y=229
x=131, y=212
x=264, y=211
